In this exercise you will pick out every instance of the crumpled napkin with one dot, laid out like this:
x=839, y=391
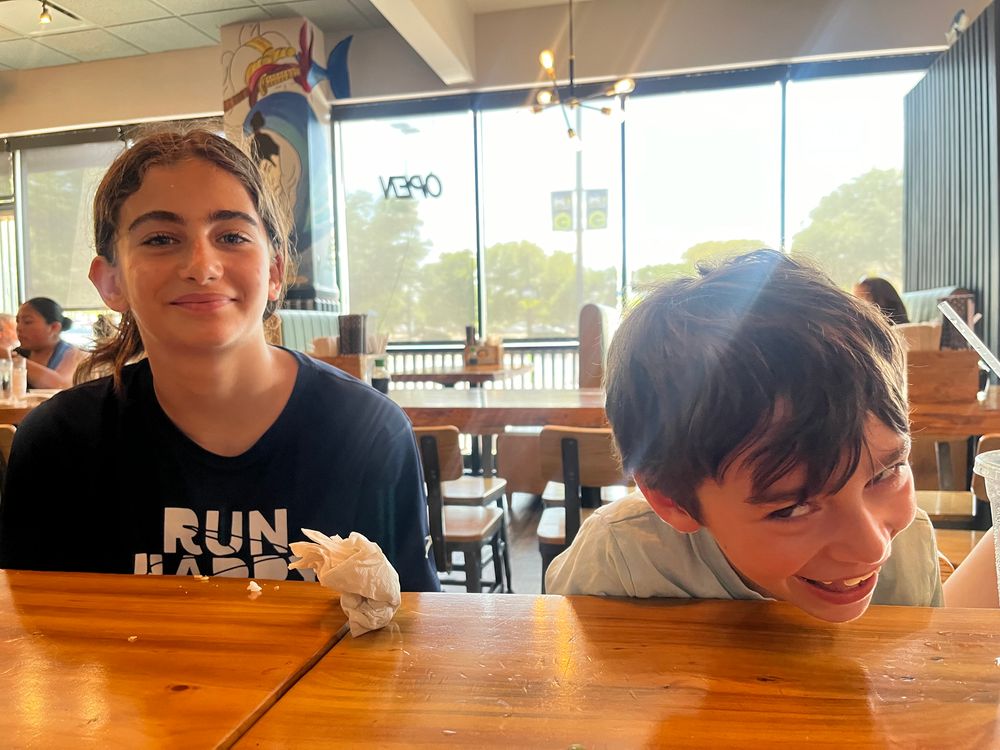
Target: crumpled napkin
x=357, y=569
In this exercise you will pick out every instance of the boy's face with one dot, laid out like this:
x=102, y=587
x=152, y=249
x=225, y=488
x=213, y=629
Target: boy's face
x=823, y=553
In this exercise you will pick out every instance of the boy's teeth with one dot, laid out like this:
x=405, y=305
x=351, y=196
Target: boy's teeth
x=849, y=581
x=856, y=581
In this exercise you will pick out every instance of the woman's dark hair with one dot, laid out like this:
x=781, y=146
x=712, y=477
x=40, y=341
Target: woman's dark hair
x=763, y=360
x=124, y=178
x=880, y=292
x=50, y=310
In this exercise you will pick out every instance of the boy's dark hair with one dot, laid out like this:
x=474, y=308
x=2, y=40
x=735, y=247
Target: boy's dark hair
x=761, y=359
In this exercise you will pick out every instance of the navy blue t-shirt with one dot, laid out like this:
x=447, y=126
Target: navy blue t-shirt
x=105, y=483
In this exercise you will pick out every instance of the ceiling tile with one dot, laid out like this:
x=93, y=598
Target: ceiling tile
x=22, y=16
x=183, y=7
x=329, y=16
x=210, y=23
x=27, y=53
x=160, y=36
x=111, y=12
x=93, y=44
x=8, y=34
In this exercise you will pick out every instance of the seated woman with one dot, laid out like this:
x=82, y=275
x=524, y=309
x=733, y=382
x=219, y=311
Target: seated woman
x=884, y=295
x=51, y=361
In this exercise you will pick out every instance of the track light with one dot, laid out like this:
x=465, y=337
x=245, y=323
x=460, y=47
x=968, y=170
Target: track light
x=45, y=16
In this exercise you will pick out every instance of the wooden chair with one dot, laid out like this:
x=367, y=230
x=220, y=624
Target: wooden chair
x=579, y=458
x=517, y=448
x=6, y=440
x=472, y=523
x=964, y=509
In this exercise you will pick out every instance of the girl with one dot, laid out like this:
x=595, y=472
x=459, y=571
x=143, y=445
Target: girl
x=51, y=361
x=223, y=447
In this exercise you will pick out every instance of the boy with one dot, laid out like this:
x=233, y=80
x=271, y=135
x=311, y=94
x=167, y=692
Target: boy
x=762, y=413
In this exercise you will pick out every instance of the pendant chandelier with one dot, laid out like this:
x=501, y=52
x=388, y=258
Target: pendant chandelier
x=566, y=98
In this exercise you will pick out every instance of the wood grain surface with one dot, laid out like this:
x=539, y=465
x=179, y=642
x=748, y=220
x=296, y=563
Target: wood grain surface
x=456, y=670
x=150, y=661
x=957, y=420
x=15, y=414
x=481, y=411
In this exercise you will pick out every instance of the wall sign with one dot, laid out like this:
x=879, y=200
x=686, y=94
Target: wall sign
x=401, y=186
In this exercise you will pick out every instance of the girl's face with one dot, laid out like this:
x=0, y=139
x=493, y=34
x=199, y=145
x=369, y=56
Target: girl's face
x=32, y=330
x=193, y=261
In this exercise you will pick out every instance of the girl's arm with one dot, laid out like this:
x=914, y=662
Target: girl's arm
x=974, y=582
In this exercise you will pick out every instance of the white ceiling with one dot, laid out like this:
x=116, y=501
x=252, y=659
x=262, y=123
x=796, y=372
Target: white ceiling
x=121, y=28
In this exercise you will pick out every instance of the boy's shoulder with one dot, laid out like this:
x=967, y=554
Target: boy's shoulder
x=626, y=549
x=911, y=576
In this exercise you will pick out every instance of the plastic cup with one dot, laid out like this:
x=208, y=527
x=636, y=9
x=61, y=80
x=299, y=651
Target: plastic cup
x=988, y=467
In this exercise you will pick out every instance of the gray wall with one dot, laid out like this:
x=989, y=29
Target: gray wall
x=951, y=169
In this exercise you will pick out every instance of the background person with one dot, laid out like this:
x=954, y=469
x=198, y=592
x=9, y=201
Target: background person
x=884, y=295
x=51, y=361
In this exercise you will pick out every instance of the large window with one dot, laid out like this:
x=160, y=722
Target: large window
x=57, y=197
x=703, y=171
x=551, y=219
x=844, y=199
x=408, y=223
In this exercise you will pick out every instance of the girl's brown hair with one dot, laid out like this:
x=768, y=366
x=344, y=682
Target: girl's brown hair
x=124, y=178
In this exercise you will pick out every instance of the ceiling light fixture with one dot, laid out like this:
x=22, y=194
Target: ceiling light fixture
x=565, y=97
x=45, y=16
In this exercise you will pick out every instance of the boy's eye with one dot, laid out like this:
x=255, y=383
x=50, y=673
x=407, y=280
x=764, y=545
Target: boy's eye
x=887, y=475
x=792, y=511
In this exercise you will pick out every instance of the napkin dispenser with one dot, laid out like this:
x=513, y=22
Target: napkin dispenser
x=490, y=355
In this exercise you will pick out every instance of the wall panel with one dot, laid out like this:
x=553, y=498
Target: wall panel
x=951, y=191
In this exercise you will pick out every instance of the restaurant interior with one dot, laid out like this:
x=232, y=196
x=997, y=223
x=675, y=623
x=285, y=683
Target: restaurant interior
x=480, y=191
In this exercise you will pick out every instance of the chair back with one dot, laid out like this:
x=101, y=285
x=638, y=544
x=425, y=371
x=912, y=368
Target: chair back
x=441, y=459
x=6, y=440
x=578, y=457
x=598, y=324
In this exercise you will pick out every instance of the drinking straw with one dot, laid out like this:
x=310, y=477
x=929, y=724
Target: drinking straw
x=974, y=341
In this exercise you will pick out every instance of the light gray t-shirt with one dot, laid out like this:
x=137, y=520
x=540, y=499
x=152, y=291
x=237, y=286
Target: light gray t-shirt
x=625, y=549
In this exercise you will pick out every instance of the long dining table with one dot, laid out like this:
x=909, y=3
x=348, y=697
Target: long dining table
x=958, y=419
x=151, y=661
x=481, y=411
x=130, y=661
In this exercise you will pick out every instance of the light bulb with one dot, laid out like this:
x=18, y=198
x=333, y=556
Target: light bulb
x=547, y=59
x=544, y=97
x=45, y=16
x=624, y=86
x=575, y=142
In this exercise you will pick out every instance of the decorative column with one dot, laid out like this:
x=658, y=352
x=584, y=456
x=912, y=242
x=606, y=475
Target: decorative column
x=276, y=95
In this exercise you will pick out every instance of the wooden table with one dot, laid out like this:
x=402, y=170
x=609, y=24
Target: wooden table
x=167, y=661
x=459, y=670
x=15, y=414
x=483, y=411
x=472, y=374
x=957, y=420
